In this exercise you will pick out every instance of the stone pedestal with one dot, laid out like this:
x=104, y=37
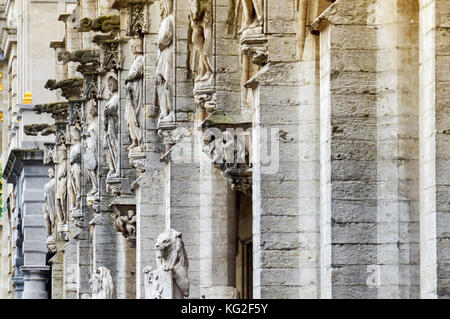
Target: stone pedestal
x=35, y=281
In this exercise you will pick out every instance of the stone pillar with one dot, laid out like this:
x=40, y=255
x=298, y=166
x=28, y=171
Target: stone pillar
x=217, y=229
x=397, y=271
x=348, y=179
x=31, y=183
x=309, y=170
x=151, y=212
x=434, y=144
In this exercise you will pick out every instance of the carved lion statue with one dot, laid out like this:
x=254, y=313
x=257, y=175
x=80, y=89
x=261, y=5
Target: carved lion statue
x=102, y=284
x=171, y=255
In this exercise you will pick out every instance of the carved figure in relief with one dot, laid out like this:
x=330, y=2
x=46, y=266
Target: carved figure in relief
x=75, y=169
x=49, y=208
x=200, y=17
x=61, y=186
x=101, y=284
x=252, y=16
x=169, y=280
x=164, y=65
x=135, y=93
x=125, y=224
x=171, y=255
x=91, y=149
x=112, y=127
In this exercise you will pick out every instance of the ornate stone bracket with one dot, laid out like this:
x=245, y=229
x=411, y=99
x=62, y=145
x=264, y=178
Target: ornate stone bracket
x=256, y=47
x=125, y=218
x=228, y=151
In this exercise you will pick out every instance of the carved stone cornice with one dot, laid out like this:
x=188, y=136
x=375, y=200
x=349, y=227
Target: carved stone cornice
x=71, y=88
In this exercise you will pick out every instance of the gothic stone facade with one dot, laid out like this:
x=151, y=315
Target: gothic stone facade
x=282, y=149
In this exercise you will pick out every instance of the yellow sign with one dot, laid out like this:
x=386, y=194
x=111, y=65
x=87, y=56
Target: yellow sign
x=27, y=98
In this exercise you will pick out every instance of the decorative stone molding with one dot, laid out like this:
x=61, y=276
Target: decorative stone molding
x=170, y=280
x=35, y=129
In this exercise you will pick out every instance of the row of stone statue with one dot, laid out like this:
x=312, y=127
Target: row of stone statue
x=168, y=281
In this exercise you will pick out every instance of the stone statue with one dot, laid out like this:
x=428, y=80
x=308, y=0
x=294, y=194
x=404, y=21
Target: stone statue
x=125, y=224
x=49, y=208
x=135, y=94
x=91, y=150
x=101, y=284
x=164, y=65
x=75, y=169
x=111, y=117
x=170, y=280
x=61, y=186
x=252, y=16
x=200, y=17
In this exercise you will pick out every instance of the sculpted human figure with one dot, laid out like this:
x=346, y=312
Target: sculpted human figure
x=112, y=127
x=135, y=93
x=91, y=150
x=164, y=76
x=75, y=169
x=252, y=11
x=61, y=186
x=201, y=37
x=49, y=202
x=101, y=284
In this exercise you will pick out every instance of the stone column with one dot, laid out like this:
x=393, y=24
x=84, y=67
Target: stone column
x=434, y=144
x=397, y=271
x=217, y=229
x=31, y=183
x=348, y=179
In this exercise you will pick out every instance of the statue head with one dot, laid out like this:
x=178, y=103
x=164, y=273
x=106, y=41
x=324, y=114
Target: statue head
x=166, y=8
x=112, y=84
x=51, y=172
x=136, y=45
